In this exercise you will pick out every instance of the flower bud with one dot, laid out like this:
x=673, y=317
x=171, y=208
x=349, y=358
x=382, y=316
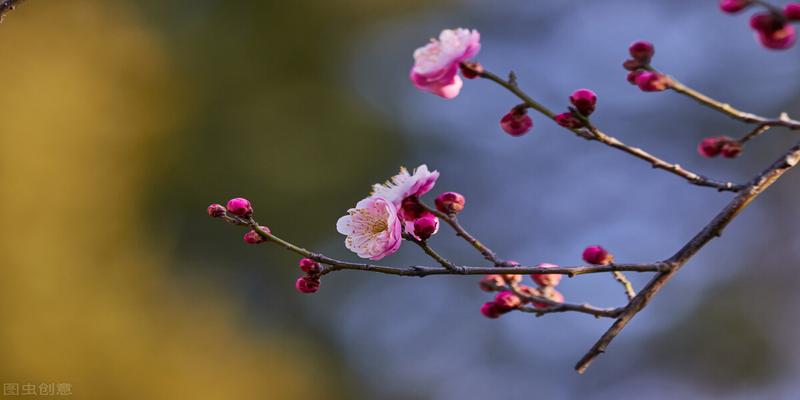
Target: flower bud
x=450, y=202
x=411, y=209
x=216, y=210
x=584, y=101
x=731, y=149
x=426, y=226
x=491, y=283
x=792, y=11
x=551, y=294
x=709, y=147
x=546, y=279
x=309, y=266
x=772, y=31
x=490, y=310
x=652, y=81
x=512, y=279
x=307, y=284
x=642, y=51
x=733, y=6
x=240, y=207
x=597, y=255
x=253, y=237
x=507, y=300
x=567, y=120
x=632, y=65
x=516, y=122
x=632, y=76
x=471, y=69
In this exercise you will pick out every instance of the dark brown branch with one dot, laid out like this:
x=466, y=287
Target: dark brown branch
x=611, y=141
x=710, y=231
x=433, y=254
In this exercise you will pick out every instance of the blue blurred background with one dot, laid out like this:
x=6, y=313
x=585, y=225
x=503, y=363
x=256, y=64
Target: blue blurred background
x=123, y=120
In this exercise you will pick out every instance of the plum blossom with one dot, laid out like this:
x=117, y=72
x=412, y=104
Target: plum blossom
x=373, y=228
x=404, y=185
x=436, y=64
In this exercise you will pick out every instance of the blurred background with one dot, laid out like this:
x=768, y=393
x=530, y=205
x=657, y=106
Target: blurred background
x=121, y=121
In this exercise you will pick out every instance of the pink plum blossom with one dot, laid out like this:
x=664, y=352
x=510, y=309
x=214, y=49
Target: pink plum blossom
x=404, y=185
x=373, y=228
x=436, y=64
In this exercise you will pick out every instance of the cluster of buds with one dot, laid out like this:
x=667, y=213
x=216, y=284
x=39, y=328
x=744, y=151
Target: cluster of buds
x=720, y=145
x=507, y=300
x=641, y=73
x=517, y=122
x=583, y=104
x=238, y=211
x=773, y=27
x=419, y=221
x=309, y=283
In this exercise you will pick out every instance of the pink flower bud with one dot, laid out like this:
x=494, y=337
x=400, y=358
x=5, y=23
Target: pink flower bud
x=709, y=147
x=307, y=284
x=252, y=237
x=471, y=69
x=733, y=6
x=567, y=120
x=773, y=32
x=216, y=210
x=551, y=294
x=652, y=81
x=490, y=310
x=426, y=226
x=450, y=202
x=632, y=76
x=507, y=300
x=546, y=279
x=632, y=65
x=309, y=266
x=491, y=283
x=792, y=11
x=584, y=101
x=597, y=255
x=512, y=279
x=642, y=51
x=517, y=122
x=240, y=207
x=731, y=148
x=411, y=209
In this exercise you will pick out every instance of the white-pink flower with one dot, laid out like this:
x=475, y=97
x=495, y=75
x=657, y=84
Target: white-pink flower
x=436, y=64
x=373, y=228
x=403, y=185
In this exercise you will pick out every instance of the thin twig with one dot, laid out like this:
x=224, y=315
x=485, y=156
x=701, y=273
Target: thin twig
x=753, y=133
x=596, y=134
x=622, y=279
x=729, y=110
x=433, y=254
x=452, y=220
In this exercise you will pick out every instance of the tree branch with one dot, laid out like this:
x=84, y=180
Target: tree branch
x=6, y=6
x=710, y=231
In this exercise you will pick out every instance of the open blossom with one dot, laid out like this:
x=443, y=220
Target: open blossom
x=404, y=185
x=373, y=228
x=436, y=64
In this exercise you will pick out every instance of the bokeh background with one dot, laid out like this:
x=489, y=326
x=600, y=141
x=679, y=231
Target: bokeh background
x=122, y=120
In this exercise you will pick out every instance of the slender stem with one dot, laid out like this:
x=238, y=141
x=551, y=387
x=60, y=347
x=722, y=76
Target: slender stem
x=754, y=133
x=713, y=229
x=431, y=252
x=581, y=308
x=623, y=280
x=452, y=220
x=729, y=110
x=596, y=134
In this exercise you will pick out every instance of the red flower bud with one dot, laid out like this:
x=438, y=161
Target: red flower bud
x=450, y=202
x=597, y=255
x=253, y=237
x=642, y=51
x=546, y=279
x=241, y=207
x=216, y=210
x=584, y=101
x=567, y=120
x=516, y=122
x=307, y=284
